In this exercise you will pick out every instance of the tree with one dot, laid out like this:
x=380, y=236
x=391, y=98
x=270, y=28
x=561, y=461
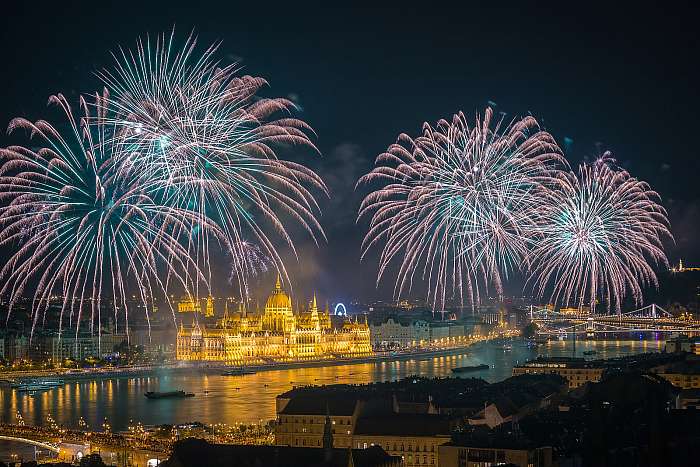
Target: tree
x=529, y=331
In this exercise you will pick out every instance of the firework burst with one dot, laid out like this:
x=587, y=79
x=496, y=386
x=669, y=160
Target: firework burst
x=598, y=233
x=205, y=140
x=456, y=204
x=86, y=229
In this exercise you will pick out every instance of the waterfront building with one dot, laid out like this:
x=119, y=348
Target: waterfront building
x=575, y=370
x=81, y=347
x=277, y=333
x=448, y=333
x=681, y=343
x=17, y=348
x=397, y=333
x=156, y=341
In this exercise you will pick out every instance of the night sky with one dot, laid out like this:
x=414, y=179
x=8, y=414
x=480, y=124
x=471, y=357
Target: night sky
x=623, y=80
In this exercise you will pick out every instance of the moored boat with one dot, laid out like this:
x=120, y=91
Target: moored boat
x=37, y=385
x=168, y=394
x=467, y=369
x=54, y=383
x=239, y=371
x=32, y=387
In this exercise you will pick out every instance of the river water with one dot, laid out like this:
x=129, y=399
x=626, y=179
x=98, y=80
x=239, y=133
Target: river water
x=251, y=398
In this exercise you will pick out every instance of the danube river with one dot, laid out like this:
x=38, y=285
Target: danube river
x=251, y=398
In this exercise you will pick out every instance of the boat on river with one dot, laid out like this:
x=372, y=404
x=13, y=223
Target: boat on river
x=467, y=369
x=239, y=371
x=53, y=383
x=37, y=385
x=31, y=387
x=168, y=394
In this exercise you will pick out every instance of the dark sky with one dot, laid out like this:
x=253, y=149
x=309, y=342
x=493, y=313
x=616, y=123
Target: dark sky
x=620, y=79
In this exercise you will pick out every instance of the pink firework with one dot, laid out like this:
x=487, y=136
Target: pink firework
x=87, y=234
x=599, y=234
x=456, y=206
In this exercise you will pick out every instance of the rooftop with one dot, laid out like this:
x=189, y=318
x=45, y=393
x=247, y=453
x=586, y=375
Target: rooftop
x=332, y=405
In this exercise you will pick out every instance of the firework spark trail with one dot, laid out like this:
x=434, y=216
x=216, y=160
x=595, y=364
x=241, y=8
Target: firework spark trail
x=599, y=231
x=86, y=227
x=252, y=264
x=457, y=203
x=204, y=140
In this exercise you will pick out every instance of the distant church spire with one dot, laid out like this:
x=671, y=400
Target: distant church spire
x=278, y=285
x=314, y=305
x=225, y=318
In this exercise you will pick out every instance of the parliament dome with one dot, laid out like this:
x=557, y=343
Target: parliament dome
x=278, y=298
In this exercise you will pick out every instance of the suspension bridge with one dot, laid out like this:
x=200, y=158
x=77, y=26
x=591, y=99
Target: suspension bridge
x=651, y=318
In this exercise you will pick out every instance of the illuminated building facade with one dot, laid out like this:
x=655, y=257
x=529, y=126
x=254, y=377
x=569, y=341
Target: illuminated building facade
x=356, y=424
x=278, y=333
x=190, y=305
x=682, y=268
x=577, y=372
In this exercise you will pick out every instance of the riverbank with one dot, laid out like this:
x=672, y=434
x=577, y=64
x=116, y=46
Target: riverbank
x=376, y=358
x=212, y=367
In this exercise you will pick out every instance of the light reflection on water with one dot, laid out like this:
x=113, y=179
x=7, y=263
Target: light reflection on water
x=251, y=398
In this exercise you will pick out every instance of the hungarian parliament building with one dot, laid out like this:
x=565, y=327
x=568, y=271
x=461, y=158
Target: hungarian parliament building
x=278, y=333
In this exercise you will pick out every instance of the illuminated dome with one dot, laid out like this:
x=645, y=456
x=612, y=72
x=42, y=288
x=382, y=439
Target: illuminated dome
x=278, y=298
